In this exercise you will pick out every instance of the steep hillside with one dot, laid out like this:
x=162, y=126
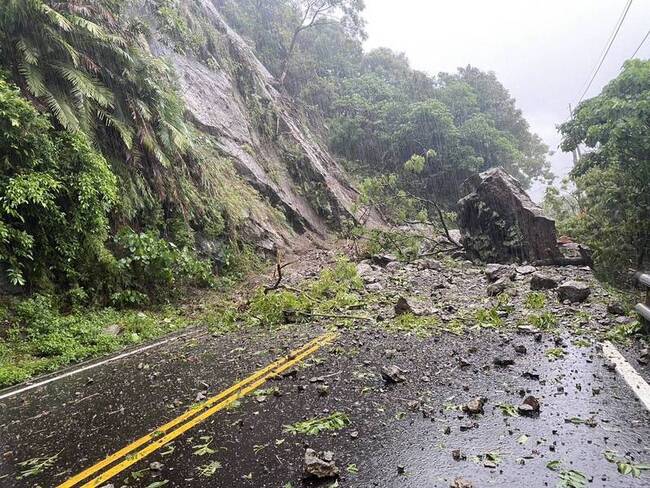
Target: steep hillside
x=209, y=160
x=261, y=131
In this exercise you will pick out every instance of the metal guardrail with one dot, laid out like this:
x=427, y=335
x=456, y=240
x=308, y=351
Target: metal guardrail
x=643, y=279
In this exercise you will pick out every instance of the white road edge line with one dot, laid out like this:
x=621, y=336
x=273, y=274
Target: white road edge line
x=95, y=365
x=634, y=380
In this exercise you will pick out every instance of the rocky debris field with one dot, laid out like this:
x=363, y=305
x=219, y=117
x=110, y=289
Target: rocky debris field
x=445, y=374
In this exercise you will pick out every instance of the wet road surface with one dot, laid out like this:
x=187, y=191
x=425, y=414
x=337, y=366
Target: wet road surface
x=400, y=435
x=410, y=434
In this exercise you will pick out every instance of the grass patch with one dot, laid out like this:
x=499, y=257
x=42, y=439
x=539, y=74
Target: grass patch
x=535, y=300
x=489, y=318
x=315, y=426
x=555, y=353
x=40, y=339
x=544, y=321
x=622, y=333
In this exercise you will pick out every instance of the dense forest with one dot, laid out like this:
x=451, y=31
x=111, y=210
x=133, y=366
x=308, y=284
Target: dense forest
x=107, y=186
x=87, y=74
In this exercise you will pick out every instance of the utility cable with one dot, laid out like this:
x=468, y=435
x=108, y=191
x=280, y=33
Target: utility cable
x=607, y=48
x=640, y=45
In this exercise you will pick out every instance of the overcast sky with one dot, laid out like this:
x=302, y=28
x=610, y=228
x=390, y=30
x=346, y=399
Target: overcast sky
x=542, y=51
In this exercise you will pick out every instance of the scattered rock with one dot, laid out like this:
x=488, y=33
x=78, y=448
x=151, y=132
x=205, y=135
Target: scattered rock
x=520, y=349
x=367, y=274
x=573, y=291
x=615, y=308
x=498, y=287
x=495, y=272
x=323, y=390
x=429, y=264
x=383, y=259
x=156, y=466
x=529, y=407
x=475, y=407
x=401, y=469
x=113, y=330
x=320, y=465
x=375, y=287
x=525, y=270
x=403, y=307
x=458, y=455
x=200, y=396
x=530, y=375
x=469, y=426
x=461, y=483
x=393, y=374
x=413, y=405
x=541, y=281
x=393, y=266
x=504, y=361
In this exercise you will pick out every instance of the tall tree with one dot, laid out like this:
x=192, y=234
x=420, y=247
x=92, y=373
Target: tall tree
x=316, y=13
x=613, y=176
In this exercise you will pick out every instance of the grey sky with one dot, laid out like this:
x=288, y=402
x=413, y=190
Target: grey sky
x=542, y=51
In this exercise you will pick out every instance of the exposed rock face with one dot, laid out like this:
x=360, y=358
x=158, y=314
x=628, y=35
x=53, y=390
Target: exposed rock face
x=500, y=223
x=264, y=136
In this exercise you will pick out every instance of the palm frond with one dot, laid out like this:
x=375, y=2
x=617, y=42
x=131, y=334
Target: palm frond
x=61, y=110
x=33, y=78
x=28, y=52
x=55, y=17
x=125, y=132
x=83, y=85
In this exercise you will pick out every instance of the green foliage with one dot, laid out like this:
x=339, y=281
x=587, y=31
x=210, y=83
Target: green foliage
x=489, y=318
x=336, y=421
x=379, y=111
x=535, y=300
x=622, y=333
x=41, y=339
x=572, y=479
x=555, y=353
x=419, y=325
x=335, y=290
x=55, y=195
x=150, y=266
x=624, y=466
x=272, y=309
x=544, y=321
x=609, y=209
x=508, y=410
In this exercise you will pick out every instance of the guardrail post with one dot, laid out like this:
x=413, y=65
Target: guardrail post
x=643, y=279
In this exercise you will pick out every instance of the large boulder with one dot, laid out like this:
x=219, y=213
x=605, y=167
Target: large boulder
x=500, y=223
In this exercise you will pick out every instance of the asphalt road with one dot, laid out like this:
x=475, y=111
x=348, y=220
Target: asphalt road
x=214, y=411
x=399, y=435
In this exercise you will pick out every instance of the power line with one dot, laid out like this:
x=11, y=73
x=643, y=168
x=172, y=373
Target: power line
x=642, y=43
x=611, y=40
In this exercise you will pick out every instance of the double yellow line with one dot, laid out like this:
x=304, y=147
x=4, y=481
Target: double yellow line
x=173, y=429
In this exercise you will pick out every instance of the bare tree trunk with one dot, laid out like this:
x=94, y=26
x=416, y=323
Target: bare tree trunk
x=287, y=58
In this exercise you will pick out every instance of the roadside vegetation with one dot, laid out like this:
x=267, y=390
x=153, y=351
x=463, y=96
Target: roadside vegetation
x=115, y=209
x=607, y=205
